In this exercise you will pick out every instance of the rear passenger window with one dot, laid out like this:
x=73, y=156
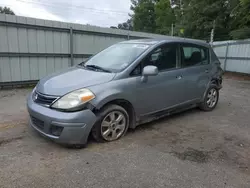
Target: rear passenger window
x=194, y=55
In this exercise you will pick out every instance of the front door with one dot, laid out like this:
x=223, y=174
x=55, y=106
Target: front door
x=164, y=90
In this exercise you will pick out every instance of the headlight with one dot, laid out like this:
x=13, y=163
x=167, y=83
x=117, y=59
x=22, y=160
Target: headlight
x=74, y=99
x=34, y=89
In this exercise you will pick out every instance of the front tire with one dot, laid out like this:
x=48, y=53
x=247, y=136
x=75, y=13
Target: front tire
x=211, y=99
x=112, y=123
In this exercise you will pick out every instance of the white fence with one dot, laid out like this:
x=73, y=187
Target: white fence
x=32, y=48
x=234, y=55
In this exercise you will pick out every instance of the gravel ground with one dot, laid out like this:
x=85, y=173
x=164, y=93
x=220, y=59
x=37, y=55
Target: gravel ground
x=191, y=149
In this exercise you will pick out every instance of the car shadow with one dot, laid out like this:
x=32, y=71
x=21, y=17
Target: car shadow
x=155, y=123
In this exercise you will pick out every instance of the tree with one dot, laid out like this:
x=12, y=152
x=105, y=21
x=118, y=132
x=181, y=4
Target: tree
x=240, y=20
x=144, y=15
x=201, y=16
x=165, y=17
x=128, y=25
x=6, y=10
x=193, y=18
x=241, y=33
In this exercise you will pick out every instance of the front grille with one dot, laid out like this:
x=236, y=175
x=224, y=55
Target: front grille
x=37, y=122
x=42, y=99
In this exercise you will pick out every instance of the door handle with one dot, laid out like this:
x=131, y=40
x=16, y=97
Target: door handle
x=179, y=77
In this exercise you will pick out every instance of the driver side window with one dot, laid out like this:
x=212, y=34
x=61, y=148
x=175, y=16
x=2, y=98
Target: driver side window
x=163, y=57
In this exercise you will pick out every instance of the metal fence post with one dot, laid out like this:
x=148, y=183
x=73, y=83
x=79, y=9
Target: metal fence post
x=225, y=61
x=71, y=47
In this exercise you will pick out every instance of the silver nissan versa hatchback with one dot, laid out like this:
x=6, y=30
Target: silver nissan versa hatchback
x=125, y=85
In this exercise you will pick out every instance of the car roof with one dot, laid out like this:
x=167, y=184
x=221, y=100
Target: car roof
x=166, y=40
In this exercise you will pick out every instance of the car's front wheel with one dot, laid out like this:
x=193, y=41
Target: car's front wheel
x=112, y=124
x=211, y=99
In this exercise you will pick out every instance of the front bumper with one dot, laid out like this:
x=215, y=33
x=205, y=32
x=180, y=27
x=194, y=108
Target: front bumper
x=75, y=126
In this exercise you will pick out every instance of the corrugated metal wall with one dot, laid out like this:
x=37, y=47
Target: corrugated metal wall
x=22, y=50
x=32, y=48
x=234, y=55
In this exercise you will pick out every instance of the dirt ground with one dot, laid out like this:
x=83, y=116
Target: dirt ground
x=191, y=149
x=238, y=76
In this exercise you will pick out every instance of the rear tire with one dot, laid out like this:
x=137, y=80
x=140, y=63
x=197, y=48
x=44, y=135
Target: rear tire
x=112, y=123
x=211, y=99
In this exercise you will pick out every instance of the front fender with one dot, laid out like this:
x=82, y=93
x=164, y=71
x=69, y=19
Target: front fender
x=123, y=89
x=108, y=96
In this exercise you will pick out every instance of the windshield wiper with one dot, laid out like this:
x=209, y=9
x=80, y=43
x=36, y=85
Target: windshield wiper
x=81, y=64
x=97, y=67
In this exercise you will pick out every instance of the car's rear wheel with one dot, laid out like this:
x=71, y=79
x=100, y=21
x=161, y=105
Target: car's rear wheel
x=112, y=124
x=211, y=99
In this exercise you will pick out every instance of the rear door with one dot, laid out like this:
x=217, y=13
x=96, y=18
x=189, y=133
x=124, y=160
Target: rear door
x=196, y=68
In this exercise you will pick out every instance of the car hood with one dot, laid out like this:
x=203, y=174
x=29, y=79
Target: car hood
x=71, y=79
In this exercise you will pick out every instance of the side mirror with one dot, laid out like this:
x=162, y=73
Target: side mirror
x=149, y=71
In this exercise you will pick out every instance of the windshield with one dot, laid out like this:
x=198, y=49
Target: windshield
x=117, y=57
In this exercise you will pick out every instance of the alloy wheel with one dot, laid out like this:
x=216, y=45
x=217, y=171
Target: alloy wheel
x=212, y=98
x=113, y=126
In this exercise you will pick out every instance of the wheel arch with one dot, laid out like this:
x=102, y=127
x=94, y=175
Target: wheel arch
x=214, y=81
x=124, y=104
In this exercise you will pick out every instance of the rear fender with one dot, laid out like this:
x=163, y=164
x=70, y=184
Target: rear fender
x=214, y=81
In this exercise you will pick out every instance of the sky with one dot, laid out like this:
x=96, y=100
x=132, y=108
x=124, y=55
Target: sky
x=104, y=13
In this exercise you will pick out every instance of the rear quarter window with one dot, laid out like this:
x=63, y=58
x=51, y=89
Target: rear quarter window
x=213, y=56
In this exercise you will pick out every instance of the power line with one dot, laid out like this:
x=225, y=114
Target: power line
x=83, y=7
x=105, y=11
x=58, y=11
x=38, y=11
